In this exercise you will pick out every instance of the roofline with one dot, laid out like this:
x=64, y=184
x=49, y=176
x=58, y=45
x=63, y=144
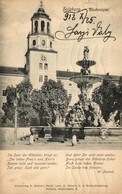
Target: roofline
x=40, y=16
x=12, y=74
x=40, y=50
x=40, y=33
x=8, y=70
x=63, y=78
x=113, y=77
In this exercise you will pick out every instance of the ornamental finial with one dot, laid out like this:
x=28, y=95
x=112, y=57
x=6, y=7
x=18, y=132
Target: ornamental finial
x=41, y=4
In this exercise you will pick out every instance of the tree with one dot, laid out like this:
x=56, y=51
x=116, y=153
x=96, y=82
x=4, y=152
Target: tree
x=119, y=98
x=20, y=97
x=9, y=107
x=108, y=96
x=51, y=101
x=24, y=102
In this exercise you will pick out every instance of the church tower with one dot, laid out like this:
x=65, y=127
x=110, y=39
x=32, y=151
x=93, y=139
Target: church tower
x=41, y=58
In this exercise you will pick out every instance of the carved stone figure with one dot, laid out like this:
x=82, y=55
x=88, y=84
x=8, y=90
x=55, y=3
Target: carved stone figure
x=85, y=53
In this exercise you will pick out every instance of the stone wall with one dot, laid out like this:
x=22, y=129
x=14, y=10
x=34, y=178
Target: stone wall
x=7, y=133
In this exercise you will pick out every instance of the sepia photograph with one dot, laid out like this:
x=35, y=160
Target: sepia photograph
x=60, y=96
x=61, y=83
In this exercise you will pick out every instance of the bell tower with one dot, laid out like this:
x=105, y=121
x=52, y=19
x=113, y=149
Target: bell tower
x=40, y=56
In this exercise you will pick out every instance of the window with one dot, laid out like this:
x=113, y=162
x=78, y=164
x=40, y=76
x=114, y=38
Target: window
x=50, y=44
x=43, y=42
x=48, y=27
x=36, y=26
x=40, y=65
x=4, y=92
x=40, y=78
x=42, y=26
x=34, y=42
x=45, y=78
x=45, y=66
x=70, y=84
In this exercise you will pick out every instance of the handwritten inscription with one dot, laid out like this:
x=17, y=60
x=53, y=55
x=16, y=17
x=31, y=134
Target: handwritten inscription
x=86, y=27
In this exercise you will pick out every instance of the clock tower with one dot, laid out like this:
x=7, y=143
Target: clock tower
x=41, y=58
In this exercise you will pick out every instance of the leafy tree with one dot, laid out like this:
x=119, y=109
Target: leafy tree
x=20, y=97
x=108, y=96
x=119, y=99
x=24, y=102
x=51, y=101
x=9, y=106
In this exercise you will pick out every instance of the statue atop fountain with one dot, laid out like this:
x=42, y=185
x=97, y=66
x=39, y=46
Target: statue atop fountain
x=86, y=52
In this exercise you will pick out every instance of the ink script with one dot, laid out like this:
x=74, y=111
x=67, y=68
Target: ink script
x=84, y=26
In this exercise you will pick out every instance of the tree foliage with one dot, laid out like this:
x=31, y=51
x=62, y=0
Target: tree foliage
x=51, y=101
x=44, y=104
x=108, y=96
x=19, y=97
x=24, y=101
x=9, y=106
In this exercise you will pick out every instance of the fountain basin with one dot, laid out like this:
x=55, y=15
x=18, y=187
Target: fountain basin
x=86, y=63
x=86, y=79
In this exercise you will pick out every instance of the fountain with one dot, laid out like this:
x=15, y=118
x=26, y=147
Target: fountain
x=85, y=112
x=86, y=76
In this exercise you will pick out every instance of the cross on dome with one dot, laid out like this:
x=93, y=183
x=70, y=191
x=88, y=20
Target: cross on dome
x=41, y=4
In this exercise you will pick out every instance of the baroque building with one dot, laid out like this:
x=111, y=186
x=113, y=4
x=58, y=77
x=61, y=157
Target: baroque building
x=41, y=60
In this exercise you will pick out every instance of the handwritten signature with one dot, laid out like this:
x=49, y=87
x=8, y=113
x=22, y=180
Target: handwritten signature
x=73, y=33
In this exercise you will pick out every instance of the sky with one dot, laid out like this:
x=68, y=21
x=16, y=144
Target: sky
x=15, y=25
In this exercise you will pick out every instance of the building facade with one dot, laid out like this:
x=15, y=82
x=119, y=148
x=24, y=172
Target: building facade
x=41, y=60
x=9, y=76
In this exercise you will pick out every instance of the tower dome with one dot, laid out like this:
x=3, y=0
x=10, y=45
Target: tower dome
x=41, y=13
x=40, y=21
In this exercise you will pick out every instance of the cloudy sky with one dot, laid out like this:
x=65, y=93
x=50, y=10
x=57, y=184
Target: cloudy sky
x=15, y=26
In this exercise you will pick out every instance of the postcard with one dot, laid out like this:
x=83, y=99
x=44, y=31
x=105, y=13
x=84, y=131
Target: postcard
x=60, y=93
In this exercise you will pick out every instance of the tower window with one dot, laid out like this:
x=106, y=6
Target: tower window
x=4, y=92
x=34, y=42
x=48, y=27
x=45, y=66
x=50, y=44
x=45, y=78
x=36, y=26
x=40, y=78
x=40, y=65
x=42, y=26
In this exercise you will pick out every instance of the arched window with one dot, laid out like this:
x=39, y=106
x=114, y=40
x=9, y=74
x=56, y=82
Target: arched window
x=34, y=42
x=42, y=26
x=36, y=26
x=48, y=27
